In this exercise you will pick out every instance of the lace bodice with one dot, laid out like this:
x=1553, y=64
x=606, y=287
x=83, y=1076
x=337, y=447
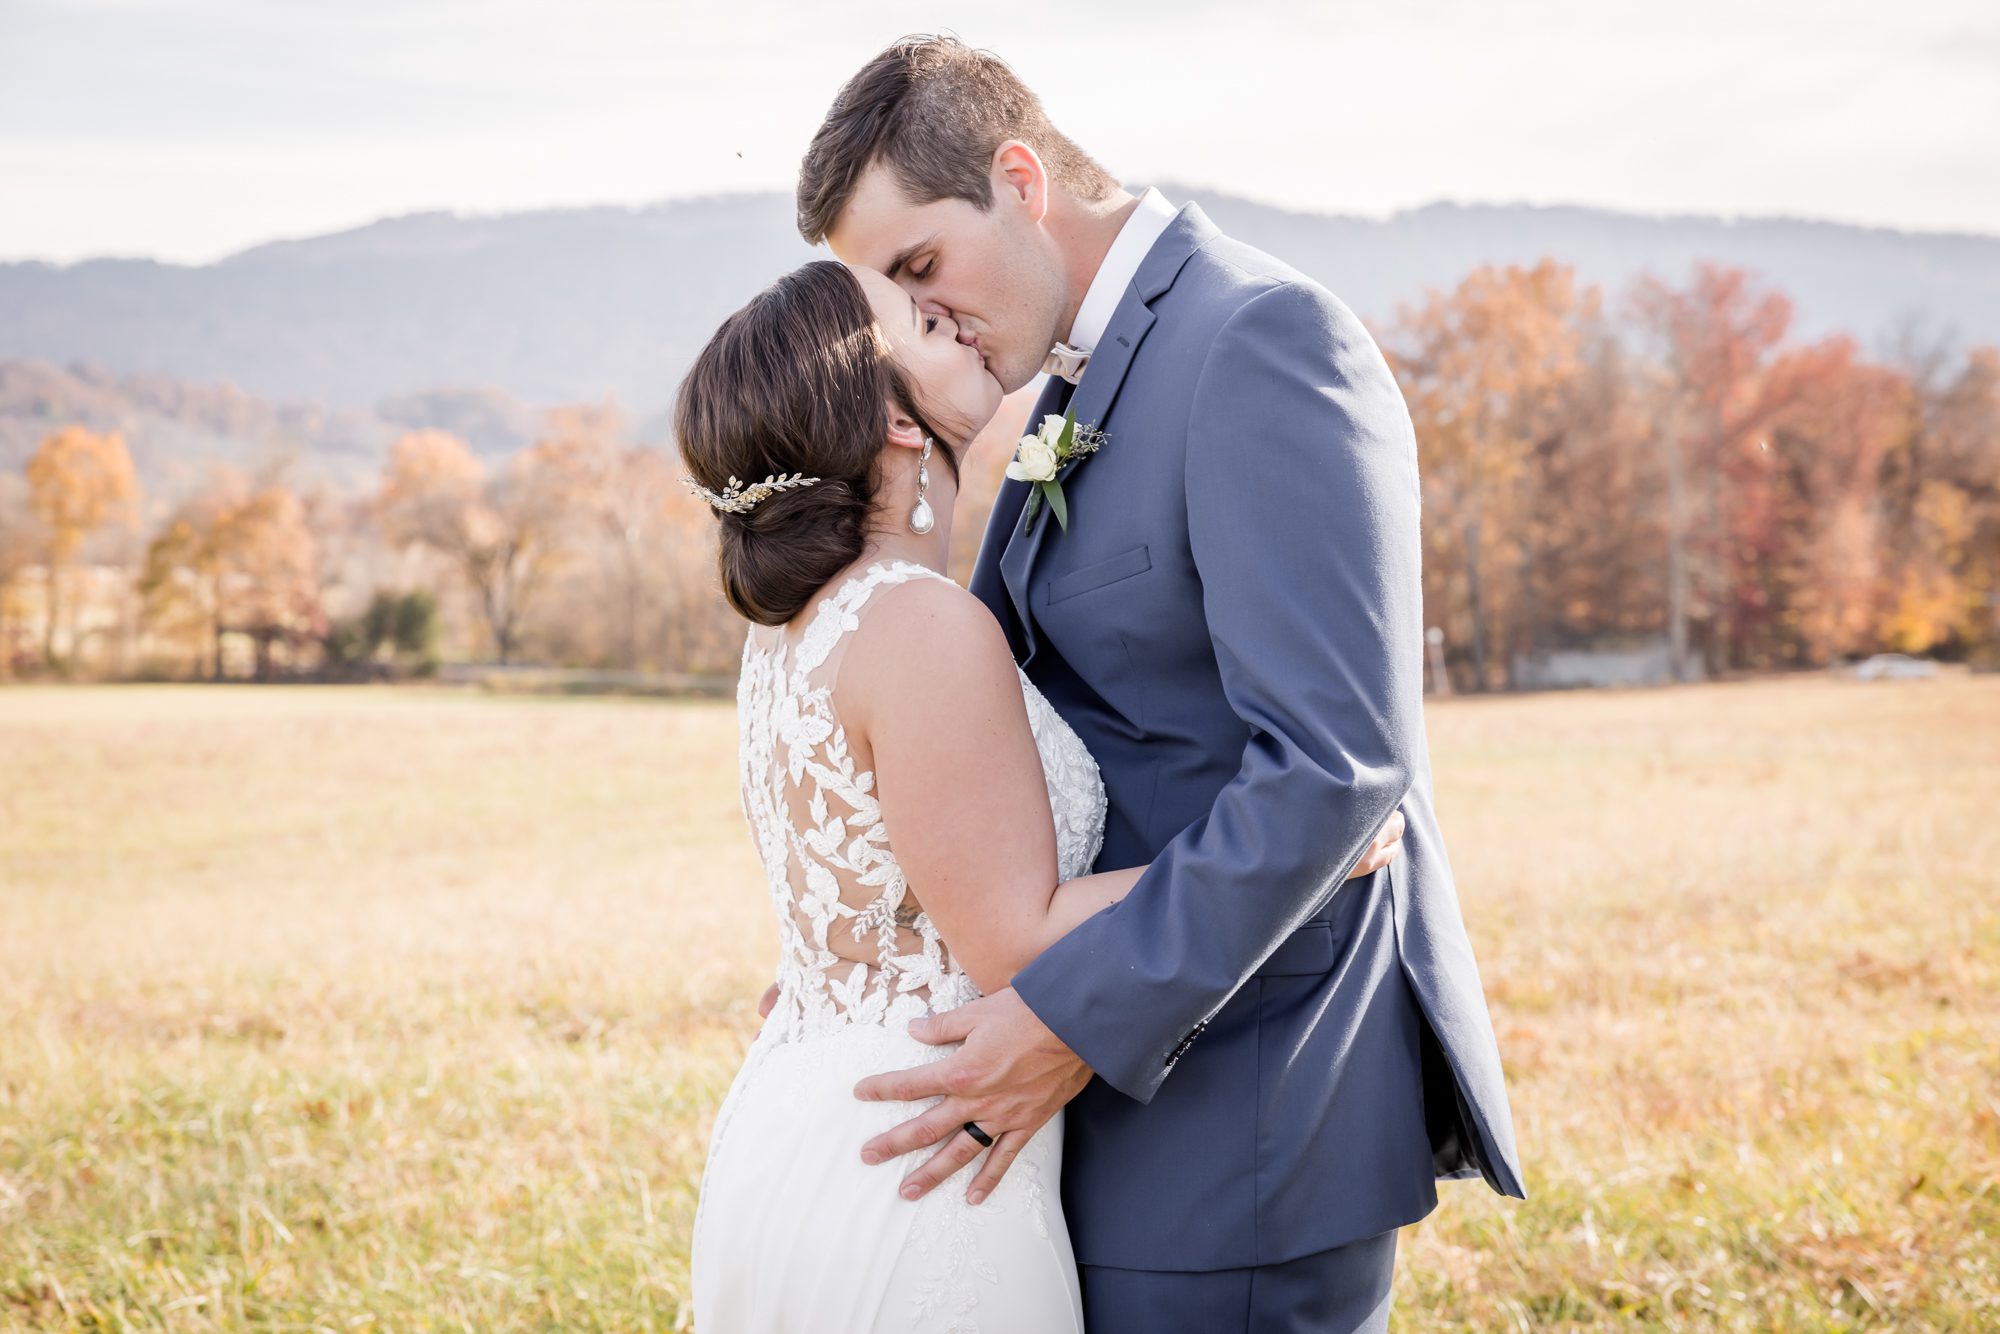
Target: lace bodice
x=852, y=949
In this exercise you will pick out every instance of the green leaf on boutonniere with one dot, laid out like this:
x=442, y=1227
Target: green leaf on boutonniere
x=1057, y=504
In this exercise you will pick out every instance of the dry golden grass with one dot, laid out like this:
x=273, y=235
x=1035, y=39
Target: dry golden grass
x=404, y=1009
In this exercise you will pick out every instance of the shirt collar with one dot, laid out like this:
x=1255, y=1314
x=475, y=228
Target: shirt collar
x=1142, y=228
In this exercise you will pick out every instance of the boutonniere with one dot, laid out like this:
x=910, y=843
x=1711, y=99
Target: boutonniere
x=1039, y=457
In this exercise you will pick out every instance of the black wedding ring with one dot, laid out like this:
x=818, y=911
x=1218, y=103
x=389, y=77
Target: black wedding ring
x=972, y=1129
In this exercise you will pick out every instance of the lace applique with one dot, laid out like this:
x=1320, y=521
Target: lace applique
x=850, y=950
x=1038, y=1198
x=947, y=1234
x=1076, y=789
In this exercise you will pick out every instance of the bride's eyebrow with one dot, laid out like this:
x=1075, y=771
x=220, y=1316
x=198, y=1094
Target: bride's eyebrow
x=916, y=316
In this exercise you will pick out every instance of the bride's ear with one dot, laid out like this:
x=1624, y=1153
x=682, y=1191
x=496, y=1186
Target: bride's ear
x=903, y=429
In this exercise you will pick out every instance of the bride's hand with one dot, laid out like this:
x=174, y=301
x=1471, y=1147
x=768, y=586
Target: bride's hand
x=1383, y=850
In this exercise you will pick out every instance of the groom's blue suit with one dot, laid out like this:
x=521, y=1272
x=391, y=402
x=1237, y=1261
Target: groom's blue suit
x=1285, y=1059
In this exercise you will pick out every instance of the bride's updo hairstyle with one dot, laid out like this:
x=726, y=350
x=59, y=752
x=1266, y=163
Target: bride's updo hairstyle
x=798, y=381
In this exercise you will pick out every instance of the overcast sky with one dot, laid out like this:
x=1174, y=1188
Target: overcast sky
x=189, y=130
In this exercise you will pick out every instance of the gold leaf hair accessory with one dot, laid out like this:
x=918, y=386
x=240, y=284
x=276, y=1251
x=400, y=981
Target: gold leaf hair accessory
x=739, y=499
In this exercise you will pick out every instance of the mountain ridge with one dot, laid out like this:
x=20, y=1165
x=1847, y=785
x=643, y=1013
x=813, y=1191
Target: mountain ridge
x=1179, y=189
x=580, y=303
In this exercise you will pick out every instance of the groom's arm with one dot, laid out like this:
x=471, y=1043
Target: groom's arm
x=1303, y=522
x=1302, y=514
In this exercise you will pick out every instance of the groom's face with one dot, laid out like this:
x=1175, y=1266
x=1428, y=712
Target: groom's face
x=996, y=273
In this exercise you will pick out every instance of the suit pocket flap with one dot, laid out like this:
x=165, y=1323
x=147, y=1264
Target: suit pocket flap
x=1121, y=566
x=1306, y=951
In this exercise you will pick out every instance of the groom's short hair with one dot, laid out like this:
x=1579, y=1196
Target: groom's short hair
x=934, y=110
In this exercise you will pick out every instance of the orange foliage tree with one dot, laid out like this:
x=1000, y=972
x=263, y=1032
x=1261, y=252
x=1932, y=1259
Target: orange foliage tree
x=79, y=481
x=235, y=558
x=22, y=541
x=655, y=543
x=1487, y=371
x=1941, y=496
x=1818, y=555
x=1716, y=340
x=503, y=533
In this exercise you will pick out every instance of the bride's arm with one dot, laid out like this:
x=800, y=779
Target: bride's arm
x=930, y=684
x=1076, y=900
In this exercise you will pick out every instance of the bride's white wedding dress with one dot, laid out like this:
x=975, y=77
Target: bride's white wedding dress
x=793, y=1232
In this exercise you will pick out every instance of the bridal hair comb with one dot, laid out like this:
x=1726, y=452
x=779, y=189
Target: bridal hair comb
x=739, y=499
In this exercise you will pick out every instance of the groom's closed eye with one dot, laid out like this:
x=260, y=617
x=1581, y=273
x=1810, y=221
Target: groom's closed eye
x=903, y=257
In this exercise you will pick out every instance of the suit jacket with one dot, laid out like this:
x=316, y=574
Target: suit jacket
x=1285, y=1060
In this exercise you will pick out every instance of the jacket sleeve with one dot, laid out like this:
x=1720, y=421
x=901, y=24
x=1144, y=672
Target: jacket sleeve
x=1302, y=507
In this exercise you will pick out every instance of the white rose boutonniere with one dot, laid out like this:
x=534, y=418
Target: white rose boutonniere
x=1034, y=460
x=1039, y=457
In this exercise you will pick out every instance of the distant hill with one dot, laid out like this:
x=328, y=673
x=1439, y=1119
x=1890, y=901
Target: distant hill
x=566, y=305
x=1860, y=280
x=551, y=306
x=175, y=428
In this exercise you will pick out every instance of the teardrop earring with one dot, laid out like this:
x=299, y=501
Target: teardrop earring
x=921, y=518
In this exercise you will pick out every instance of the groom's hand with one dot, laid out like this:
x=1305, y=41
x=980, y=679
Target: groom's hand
x=1011, y=1076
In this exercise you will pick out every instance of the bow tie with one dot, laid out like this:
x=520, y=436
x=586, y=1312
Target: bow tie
x=1067, y=361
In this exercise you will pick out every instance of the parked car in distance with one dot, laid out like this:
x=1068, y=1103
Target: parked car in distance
x=1894, y=667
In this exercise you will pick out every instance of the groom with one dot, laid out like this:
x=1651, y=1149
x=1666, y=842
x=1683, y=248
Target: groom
x=1270, y=1068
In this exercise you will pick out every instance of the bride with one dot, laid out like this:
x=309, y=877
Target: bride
x=877, y=698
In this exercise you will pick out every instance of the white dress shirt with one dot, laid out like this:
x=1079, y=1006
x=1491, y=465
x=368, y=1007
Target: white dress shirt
x=1121, y=262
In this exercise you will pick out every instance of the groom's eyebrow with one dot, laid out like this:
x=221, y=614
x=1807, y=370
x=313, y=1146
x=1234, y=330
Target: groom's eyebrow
x=906, y=254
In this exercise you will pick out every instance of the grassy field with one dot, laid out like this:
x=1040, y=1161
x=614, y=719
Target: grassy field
x=400, y=1009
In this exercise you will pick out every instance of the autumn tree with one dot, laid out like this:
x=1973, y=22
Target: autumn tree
x=501, y=532
x=621, y=497
x=1816, y=566
x=273, y=591
x=1944, y=496
x=1715, y=342
x=22, y=540
x=1597, y=506
x=1486, y=370
x=235, y=558
x=79, y=482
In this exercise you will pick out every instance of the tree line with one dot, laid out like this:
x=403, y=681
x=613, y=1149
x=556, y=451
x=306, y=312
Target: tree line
x=1671, y=465
x=582, y=549
x=1679, y=466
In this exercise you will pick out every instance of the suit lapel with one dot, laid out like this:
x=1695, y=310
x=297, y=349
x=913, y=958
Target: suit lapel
x=1004, y=524
x=1097, y=391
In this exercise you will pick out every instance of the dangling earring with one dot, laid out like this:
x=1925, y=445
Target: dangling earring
x=921, y=518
